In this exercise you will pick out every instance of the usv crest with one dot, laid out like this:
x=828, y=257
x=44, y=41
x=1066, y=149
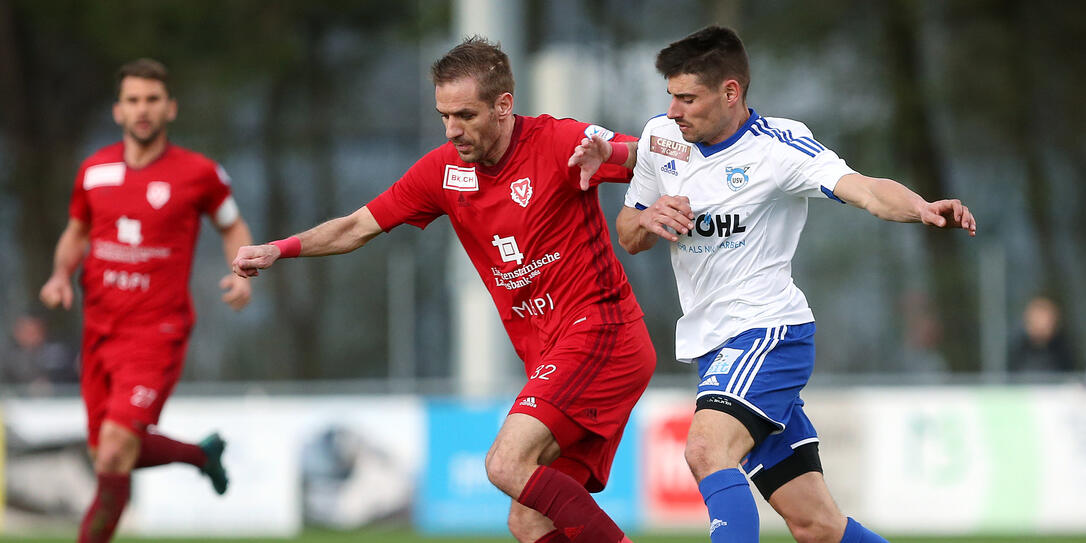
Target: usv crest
x=521, y=191
x=158, y=193
x=736, y=177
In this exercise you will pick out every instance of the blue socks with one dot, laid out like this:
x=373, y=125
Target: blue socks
x=856, y=533
x=733, y=517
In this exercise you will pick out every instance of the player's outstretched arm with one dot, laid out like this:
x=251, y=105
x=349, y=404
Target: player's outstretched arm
x=889, y=200
x=594, y=151
x=334, y=237
x=638, y=229
x=237, y=291
x=71, y=247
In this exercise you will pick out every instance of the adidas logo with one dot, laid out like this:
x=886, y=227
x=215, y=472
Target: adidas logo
x=717, y=523
x=710, y=382
x=670, y=168
x=529, y=401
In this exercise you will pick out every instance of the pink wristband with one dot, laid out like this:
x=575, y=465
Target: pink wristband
x=619, y=153
x=288, y=248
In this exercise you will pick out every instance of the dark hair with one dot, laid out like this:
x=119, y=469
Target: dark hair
x=714, y=54
x=480, y=60
x=146, y=68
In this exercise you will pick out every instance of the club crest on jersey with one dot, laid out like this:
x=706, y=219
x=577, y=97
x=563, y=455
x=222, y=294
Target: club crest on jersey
x=461, y=179
x=597, y=130
x=521, y=191
x=736, y=177
x=158, y=193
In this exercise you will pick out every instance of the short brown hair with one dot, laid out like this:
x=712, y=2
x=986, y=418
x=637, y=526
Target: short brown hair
x=146, y=68
x=714, y=54
x=480, y=60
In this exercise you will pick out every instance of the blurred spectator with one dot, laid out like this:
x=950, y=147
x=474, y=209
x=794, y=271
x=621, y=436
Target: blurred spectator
x=922, y=358
x=1042, y=345
x=34, y=360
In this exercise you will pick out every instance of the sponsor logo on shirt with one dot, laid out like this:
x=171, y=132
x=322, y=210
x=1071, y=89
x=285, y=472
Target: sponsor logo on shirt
x=528, y=402
x=720, y=226
x=522, y=276
x=462, y=179
x=670, y=168
x=710, y=382
x=736, y=177
x=535, y=306
x=158, y=193
x=128, y=231
x=597, y=130
x=521, y=191
x=666, y=147
x=507, y=248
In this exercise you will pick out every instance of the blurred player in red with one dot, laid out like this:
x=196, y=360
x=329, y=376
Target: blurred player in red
x=134, y=218
x=524, y=204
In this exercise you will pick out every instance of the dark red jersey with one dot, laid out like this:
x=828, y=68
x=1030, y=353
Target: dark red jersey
x=143, y=228
x=539, y=243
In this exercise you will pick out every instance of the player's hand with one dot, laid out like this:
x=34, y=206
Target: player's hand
x=238, y=291
x=669, y=214
x=57, y=291
x=949, y=214
x=253, y=258
x=590, y=155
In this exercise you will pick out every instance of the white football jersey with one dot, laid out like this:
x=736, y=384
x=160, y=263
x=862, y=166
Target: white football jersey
x=749, y=197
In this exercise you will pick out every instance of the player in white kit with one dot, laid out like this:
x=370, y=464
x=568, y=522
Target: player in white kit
x=728, y=188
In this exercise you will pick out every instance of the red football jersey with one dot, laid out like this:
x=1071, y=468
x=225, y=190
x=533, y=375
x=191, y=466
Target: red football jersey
x=143, y=229
x=539, y=243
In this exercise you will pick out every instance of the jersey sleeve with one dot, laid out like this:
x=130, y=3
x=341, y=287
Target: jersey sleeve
x=78, y=207
x=415, y=198
x=808, y=168
x=645, y=186
x=217, y=200
x=569, y=134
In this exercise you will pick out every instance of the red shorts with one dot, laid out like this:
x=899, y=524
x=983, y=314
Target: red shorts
x=584, y=389
x=127, y=377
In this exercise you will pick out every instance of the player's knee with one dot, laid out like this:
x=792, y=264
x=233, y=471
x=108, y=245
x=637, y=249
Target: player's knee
x=703, y=457
x=501, y=471
x=110, y=459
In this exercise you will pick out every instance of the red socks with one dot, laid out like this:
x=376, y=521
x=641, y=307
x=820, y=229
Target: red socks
x=570, y=507
x=101, y=519
x=156, y=450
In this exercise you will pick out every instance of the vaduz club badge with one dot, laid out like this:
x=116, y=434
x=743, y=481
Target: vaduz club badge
x=736, y=177
x=158, y=193
x=521, y=191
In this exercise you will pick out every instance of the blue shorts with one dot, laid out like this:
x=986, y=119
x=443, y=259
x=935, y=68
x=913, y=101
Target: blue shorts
x=763, y=370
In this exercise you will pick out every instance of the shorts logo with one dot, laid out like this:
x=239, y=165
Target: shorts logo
x=158, y=193
x=143, y=397
x=589, y=413
x=461, y=179
x=528, y=402
x=597, y=130
x=722, y=364
x=508, y=249
x=669, y=148
x=710, y=382
x=128, y=231
x=736, y=177
x=521, y=191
